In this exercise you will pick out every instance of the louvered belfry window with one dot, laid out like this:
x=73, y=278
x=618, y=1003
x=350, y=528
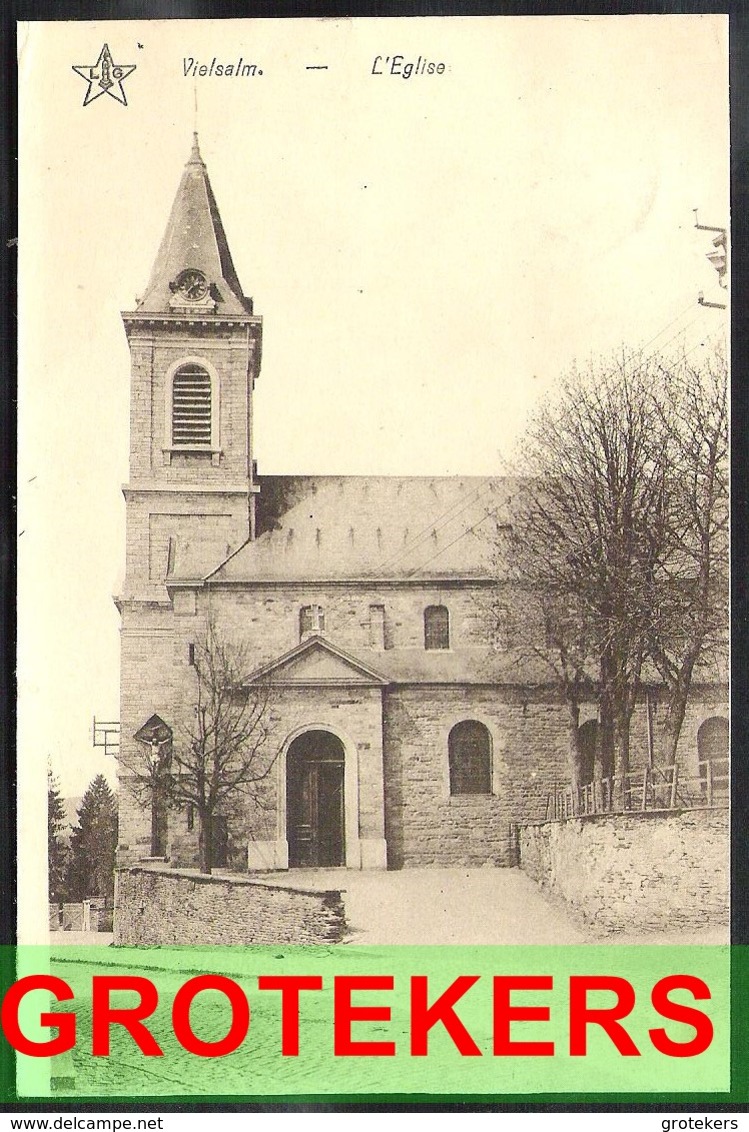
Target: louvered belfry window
x=191, y=407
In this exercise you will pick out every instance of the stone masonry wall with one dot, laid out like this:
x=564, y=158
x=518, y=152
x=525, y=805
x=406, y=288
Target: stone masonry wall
x=156, y=908
x=266, y=617
x=424, y=824
x=208, y=523
x=647, y=871
x=152, y=356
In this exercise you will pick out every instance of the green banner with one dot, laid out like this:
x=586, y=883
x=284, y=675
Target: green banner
x=339, y=1021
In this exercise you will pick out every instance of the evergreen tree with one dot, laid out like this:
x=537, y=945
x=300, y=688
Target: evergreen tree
x=93, y=843
x=57, y=850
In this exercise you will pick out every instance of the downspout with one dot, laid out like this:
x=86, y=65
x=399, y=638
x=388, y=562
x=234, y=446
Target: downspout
x=649, y=710
x=250, y=414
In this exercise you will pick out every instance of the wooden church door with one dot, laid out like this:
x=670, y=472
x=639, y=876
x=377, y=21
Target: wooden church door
x=314, y=801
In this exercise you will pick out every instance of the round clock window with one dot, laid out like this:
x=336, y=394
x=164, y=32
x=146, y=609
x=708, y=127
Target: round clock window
x=193, y=285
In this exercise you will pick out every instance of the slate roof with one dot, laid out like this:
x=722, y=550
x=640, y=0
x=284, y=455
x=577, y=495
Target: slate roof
x=305, y=662
x=461, y=666
x=515, y=667
x=316, y=528
x=350, y=528
x=195, y=238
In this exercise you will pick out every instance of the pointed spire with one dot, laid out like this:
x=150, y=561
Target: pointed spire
x=195, y=240
x=195, y=158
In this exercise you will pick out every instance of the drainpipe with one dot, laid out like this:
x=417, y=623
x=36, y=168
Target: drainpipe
x=649, y=709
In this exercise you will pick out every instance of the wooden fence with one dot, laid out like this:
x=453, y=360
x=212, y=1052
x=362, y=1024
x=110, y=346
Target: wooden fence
x=653, y=788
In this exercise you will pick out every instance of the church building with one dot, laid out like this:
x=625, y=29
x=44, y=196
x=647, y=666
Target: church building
x=409, y=726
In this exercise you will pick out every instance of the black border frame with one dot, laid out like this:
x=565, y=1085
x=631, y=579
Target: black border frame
x=738, y=12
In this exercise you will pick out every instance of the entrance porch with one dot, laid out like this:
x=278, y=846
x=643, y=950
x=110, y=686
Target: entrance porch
x=326, y=790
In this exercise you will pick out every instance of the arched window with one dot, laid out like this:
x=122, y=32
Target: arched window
x=470, y=755
x=192, y=409
x=436, y=627
x=712, y=739
x=712, y=753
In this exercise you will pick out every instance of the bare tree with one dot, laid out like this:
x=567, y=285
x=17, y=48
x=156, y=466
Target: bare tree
x=621, y=539
x=588, y=528
x=689, y=598
x=218, y=756
x=566, y=649
x=540, y=616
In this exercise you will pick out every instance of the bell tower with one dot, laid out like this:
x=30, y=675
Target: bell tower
x=190, y=500
x=195, y=348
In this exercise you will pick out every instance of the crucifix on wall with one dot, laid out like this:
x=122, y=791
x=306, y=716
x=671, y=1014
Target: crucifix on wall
x=156, y=736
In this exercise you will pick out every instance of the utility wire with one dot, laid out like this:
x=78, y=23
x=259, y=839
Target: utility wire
x=681, y=330
x=440, y=521
x=469, y=530
x=437, y=524
x=668, y=325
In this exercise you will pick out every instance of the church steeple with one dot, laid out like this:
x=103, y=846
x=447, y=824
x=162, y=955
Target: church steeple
x=195, y=154
x=195, y=349
x=194, y=268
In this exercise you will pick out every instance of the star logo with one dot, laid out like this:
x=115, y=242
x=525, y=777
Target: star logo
x=105, y=77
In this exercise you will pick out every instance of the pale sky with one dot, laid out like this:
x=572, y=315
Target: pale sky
x=427, y=254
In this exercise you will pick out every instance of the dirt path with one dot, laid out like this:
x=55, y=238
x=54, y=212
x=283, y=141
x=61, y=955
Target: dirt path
x=459, y=906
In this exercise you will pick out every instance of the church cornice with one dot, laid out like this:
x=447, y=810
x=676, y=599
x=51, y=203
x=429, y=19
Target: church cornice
x=154, y=319
x=124, y=601
x=368, y=582
x=131, y=490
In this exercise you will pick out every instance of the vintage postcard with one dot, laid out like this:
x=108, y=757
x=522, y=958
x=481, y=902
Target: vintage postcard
x=373, y=579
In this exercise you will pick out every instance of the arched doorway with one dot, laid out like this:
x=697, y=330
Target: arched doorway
x=712, y=739
x=315, y=800
x=587, y=742
x=712, y=753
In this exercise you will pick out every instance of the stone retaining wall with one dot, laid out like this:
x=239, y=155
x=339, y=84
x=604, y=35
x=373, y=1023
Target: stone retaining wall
x=158, y=907
x=650, y=871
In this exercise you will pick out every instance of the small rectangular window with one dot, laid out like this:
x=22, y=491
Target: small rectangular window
x=436, y=627
x=190, y=818
x=311, y=621
x=377, y=627
x=191, y=654
x=502, y=629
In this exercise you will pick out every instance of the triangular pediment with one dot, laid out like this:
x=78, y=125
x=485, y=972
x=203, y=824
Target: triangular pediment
x=317, y=661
